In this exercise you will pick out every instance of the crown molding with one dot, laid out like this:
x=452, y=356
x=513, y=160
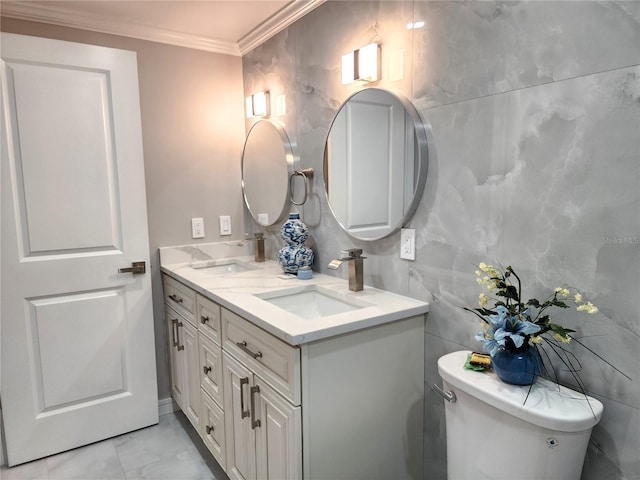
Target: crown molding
x=69, y=18
x=276, y=23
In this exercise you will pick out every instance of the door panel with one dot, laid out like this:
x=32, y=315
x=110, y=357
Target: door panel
x=78, y=347
x=64, y=115
x=241, y=438
x=279, y=436
x=78, y=360
x=176, y=357
x=188, y=338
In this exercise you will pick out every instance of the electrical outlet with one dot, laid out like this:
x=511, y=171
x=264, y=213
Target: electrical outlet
x=225, y=225
x=197, y=228
x=408, y=243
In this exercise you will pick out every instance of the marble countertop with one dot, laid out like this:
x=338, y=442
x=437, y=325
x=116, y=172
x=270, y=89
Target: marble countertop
x=238, y=292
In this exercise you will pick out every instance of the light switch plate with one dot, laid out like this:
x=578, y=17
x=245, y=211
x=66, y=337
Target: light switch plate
x=408, y=243
x=225, y=225
x=197, y=228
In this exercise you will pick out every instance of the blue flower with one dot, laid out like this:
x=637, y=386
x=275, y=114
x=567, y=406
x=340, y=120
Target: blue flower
x=501, y=326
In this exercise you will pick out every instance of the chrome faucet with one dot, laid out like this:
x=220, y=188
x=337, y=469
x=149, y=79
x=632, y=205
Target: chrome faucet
x=354, y=257
x=259, y=247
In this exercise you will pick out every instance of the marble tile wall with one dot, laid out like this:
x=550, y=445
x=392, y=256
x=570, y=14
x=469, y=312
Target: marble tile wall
x=534, y=111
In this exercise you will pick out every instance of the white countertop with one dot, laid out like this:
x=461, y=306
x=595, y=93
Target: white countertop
x=237, y=292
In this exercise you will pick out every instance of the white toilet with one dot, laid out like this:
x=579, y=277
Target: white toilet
x=493, y=433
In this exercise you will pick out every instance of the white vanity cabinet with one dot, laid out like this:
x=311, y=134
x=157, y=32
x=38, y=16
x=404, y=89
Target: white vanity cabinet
x=262, y=403
x=346, y=405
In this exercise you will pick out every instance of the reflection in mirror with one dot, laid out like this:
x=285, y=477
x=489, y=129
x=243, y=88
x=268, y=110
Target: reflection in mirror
x=375, y=164
x=267, y=163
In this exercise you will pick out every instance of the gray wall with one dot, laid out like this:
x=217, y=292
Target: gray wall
x=192, y=127
x=535, y=116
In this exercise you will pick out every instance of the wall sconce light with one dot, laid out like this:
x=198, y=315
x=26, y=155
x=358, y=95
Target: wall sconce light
x=257, y=105
x=362, y=64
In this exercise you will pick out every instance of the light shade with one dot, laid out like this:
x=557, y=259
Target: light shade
x=362, y=64
x=257, y=105
x=368, y=62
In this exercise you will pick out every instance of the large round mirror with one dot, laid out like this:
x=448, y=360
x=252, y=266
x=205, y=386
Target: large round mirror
x=267, y=163
x=375, y=163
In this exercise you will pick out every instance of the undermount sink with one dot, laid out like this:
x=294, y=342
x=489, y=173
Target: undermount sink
x=221, y=267
x=312, y=301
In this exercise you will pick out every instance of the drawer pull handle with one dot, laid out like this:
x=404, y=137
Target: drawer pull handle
x=243, y=346
x=175, y=298
x=206, y=369
x=204, y=319
x=243, y=413
x=209, y=429
x=254, y=422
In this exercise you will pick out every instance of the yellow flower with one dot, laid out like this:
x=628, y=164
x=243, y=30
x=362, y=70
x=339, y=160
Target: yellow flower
x=588, y=307
x=562, y=292
x=563, y=339
x=482, y=299
x=536, y=339
x=490, y=270
x=578, y=298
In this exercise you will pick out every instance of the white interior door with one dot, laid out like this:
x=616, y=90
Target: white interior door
x=78, y=361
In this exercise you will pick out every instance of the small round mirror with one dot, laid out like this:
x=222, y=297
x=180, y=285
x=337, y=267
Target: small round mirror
x=267, y=164
x=375, y=164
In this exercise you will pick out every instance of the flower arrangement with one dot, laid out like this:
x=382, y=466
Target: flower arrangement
x=513, y=324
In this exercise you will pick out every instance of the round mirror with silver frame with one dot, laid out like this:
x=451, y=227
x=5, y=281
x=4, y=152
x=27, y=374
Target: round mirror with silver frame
x=375, y=163
x=267, y=164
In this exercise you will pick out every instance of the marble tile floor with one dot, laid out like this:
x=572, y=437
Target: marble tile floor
x=170, y=450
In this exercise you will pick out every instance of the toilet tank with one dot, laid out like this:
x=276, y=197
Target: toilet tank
x=501, y=431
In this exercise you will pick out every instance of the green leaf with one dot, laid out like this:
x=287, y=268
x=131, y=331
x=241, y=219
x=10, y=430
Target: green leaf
x=559, y=303
x=560, y=330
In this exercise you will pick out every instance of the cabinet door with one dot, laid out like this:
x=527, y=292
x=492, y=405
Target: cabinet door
x=176, y=359
x=188, y=338
x=240, y=443
x=278, y=435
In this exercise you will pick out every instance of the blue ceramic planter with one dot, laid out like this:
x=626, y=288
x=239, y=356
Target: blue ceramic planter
x=517, y=368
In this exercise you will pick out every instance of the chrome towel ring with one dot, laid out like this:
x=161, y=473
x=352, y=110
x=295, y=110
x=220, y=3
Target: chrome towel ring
x=307, y=174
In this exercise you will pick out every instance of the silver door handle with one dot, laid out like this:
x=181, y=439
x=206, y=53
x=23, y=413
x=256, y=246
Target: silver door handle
x=243, y=413
x=135, y=268
x=254, y=422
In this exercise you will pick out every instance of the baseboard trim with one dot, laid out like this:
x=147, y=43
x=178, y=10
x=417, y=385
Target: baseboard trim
x=167, y=406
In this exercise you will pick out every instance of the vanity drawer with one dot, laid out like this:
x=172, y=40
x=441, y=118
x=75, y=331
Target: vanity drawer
x=208, y=318
x=179, y=297
x=212, y=429
x=210, y=367
x=273, y=360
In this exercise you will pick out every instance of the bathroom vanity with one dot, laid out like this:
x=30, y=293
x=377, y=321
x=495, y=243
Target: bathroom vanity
x=294, y=379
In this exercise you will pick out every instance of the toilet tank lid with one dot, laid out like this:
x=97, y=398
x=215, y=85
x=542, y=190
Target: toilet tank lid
x=548, y=405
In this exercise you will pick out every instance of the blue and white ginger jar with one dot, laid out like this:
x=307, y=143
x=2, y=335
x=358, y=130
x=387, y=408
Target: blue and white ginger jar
x=295, y=253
